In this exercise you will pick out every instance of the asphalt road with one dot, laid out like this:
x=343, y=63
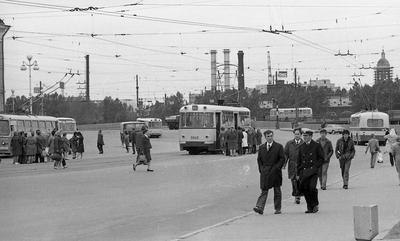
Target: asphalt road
x=99, y=197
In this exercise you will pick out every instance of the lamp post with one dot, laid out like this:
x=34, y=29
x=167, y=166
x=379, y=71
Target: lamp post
x=23, y=68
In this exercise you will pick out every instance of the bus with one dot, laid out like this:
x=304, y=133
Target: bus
x=364, y=124
x=200, y=125
x=172, y=122
x=303, y=113
x=154, y=125
x=26, y=123
x=67, y=125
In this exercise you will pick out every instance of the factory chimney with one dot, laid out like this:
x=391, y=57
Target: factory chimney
x=240, y=71
x=269, y=69
x=213, y=70
x=227, y=83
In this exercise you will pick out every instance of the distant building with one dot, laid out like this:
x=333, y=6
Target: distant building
x=323, y=83
x=130, y=102
x=337, y=101
x=383, y=71
x=262, y=88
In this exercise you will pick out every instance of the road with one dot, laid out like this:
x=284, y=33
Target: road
x=99, y=197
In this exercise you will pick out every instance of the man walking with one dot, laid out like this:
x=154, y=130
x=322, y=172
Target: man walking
x=270, y=161
x=345, y=152
x=100, y=142
x=41, y=146
x=311, y=157
x=373, y=146
x=327, y=147
x=292, y=156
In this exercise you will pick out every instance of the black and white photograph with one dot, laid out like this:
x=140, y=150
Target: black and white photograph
x=199, y=120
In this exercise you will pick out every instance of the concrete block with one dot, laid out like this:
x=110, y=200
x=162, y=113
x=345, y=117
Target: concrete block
x=365, y=222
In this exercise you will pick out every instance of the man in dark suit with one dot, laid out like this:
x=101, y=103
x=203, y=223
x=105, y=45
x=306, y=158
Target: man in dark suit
x=270, y=161
x=311, y=158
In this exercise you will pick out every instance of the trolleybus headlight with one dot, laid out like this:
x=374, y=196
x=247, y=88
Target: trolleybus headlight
x=206, y=137
x=3, y=143
x=183, y=136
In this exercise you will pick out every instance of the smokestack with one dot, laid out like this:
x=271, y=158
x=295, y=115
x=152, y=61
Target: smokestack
x=269, y=69
x=213, y=69
x=3, y=30
x=240, y=71
x=227, y=83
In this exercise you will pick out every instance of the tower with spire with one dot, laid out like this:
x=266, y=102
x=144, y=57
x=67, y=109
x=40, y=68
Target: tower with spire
x=383, y=71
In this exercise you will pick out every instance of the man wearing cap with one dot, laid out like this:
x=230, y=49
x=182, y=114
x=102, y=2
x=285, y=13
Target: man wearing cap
x=270, y=161
x=311, y=158
x=345, y=152
x=327, y=147
x=292, y=156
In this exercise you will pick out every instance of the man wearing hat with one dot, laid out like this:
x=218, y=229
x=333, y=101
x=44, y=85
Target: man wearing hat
x=311, y=158
x=345, y=152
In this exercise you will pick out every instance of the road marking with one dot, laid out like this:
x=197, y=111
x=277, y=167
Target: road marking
x=197, y=208
x=230, y=220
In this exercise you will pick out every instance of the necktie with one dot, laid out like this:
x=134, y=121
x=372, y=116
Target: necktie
x=268, y=146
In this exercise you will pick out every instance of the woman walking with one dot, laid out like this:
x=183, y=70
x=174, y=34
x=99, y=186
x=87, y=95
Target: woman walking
x=74, y=144
x=81, y=147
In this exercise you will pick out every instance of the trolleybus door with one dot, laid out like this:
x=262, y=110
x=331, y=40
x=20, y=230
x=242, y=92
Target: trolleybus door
x=235, y=120
x=218, y=130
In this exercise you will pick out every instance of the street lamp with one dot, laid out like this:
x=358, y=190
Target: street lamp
x=23, y=68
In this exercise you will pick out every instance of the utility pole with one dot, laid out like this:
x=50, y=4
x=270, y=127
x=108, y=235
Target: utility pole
x=295, y=97
x=87, y=78
x=137, y=93
x=41, y=96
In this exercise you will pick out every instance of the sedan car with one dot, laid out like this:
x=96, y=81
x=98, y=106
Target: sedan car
x=333, y=129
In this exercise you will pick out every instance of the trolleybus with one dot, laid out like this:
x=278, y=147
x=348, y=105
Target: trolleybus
x=67, y=125
x=364, y=124
x=200, y=125
x=26, y=123
x=154, y=125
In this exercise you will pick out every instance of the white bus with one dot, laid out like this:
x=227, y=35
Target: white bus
x=303, y=113
x=200, y=125
x=67, y=125
x=154, y=125
x=364, y=124
x=26, y=123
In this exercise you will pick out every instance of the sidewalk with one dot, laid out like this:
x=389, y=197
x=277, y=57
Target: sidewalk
x=334, y=221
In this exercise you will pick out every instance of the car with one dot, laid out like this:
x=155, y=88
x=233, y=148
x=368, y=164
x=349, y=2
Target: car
x=334, y=129
x=304, y=129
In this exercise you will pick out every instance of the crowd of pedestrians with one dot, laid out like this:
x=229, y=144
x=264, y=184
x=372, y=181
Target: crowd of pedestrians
x=239, y=141
x=34, y=147
x=308, y=161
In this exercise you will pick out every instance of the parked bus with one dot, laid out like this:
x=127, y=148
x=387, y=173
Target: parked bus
x=303, y=113
x=26, y=123
x=67, y=125
x=200, y=125
x=172, y=122
x=154, y=125
x=129, y=126
x=364, y=124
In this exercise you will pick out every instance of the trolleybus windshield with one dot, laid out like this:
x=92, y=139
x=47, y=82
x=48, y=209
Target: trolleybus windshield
x=197, y=120
x=4, y=128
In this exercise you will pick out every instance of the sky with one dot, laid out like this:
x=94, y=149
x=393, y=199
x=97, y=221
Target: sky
x=167, y=43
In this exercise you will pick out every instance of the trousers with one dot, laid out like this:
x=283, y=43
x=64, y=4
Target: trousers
x=309, y=188
x=373, y=158
x=323, y=174
x=262, y=199
x=345, y=168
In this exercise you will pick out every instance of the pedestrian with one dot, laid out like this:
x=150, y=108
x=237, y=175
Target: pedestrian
x=396, y=156
x=345, y=152
x=132, y=139
x=40, y=147
x=373, y=146
x=245, y=145
x=258, y=139
x=143, y=146
x=327, y=147
x=250, y=140
x=65, y=149
x=100, y=142
x=50, y=145
x=74, y=144
x=56, y=153
x=16, y=148
x=122, y=137
x=239, y=132
x=30, y=148
x=23, y=159
x=254, y=141
x=221, y=137
x=81, y=146
x=291, y=160
x=311, y=158
x=270, y=161
x=390, y=137
x=126, y=140
x=232, y=141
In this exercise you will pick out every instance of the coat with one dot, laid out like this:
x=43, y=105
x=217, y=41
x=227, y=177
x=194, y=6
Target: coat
x=100, y=140
x=30, y=146
x=344, y=151
x=291, y=157
x=143, y=145
x=58, y=143
x=250, y=138
x=65, y=144
x=259, y=137
x=74, y=144
x=81, y=146
x=40, y=144
x=327, y=148
x=270, y=164
x=16, y=145
x=311, y=158
x=231, y=139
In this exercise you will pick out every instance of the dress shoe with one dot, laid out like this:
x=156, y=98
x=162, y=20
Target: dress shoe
x=323, y=188
x=297, y=201
x=315, y=209
x=309, y=211
x=134, y=167
x=258, y=210
x=277, y=212
x=345, y=187
x=150, y=170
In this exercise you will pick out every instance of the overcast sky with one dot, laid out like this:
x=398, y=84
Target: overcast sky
x=170, y=56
